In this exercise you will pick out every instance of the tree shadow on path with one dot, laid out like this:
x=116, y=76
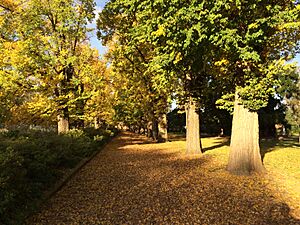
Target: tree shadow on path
x=218, y=144
x=130, y=183
x=269, y=145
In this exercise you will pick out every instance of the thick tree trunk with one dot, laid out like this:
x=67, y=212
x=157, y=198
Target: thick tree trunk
x=163, y=129
x=244, y=157
x=192, y=129
x=63, y=122
x=155, y=129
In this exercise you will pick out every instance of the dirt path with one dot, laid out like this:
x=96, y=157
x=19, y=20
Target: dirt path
x=134, y=181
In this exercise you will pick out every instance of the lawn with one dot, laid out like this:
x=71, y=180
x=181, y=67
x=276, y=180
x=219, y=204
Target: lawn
x=281, y=159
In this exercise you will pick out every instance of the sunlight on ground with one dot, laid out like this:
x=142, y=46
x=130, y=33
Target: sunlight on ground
x=281, y=159
x=136, y=181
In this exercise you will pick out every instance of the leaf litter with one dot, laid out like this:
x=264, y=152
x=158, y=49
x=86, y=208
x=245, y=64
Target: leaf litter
x=135, y=181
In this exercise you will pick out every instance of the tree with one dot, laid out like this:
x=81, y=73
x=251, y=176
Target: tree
x=290, y=91
x=131, y=60
x=139, y=103
x=48, y=37
x=253, y=38
x=164, y=27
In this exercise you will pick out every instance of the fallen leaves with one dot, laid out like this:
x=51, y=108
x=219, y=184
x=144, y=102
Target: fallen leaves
x=134, y=181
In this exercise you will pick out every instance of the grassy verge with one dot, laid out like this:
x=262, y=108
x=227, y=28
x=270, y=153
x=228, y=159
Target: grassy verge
x=281, y=159
x=32, y=162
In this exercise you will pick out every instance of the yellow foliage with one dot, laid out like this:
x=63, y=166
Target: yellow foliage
x=221, y=62
x=160, y=31
x=252, y=26
x=178, y=57
x=289, y=25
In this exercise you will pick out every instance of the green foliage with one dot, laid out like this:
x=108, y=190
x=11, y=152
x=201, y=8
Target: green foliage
x=235, y=41
x=47, y=66
x=32, y=161
x=293, y=105
x=226, y=102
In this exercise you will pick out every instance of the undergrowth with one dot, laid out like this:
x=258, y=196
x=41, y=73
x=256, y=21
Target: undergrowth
x=31, y=162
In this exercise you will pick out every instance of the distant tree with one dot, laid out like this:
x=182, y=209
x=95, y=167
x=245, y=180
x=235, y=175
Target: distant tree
x=269, y=116
x=130, y=61
x=43, y=54
x=293, y=105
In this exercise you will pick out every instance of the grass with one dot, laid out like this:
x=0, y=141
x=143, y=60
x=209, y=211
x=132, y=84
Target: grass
x=281, y=159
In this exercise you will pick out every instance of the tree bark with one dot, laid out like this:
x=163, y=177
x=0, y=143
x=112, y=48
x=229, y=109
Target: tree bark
x=149, y=130
x=96, y=123
x=155, y=129
x=192, y=129
x=63, y=122
x=163, y=129
x=244, y=156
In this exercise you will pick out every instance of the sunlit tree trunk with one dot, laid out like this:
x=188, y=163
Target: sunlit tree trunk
x=63, y=122
x=62, y=91
x=244, y=157
x=192, y=129
x=163, y=128
x=96, y=123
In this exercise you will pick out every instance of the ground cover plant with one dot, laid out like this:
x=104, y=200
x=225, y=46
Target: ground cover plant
x=31, y=162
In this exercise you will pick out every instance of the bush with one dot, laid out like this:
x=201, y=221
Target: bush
x=32, y=162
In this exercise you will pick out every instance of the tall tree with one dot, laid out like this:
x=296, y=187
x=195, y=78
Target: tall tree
x=132, y=60
x=48, y=36
x=254, y=39
x=180, y=52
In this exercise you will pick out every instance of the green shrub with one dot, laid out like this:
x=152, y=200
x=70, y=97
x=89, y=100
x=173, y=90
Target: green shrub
x=33, y=161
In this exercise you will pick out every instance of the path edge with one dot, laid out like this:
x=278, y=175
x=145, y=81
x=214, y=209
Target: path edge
x=65, y=179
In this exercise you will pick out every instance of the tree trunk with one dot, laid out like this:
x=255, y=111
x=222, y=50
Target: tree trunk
x=244, y=156
x=96, y=123
x=192, y=129
x=149, y=130
x=163, y=129
x=155, y=129
x=63, y=122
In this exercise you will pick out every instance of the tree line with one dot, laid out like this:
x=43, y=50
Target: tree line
x=234, y=52
x=49, y=72
x=230, y=55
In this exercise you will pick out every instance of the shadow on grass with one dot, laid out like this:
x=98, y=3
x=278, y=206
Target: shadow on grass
x=269, y=145
x=176, y=136
x=218, y=144
x=135, y=183
x=193, y=190
x=224, y=141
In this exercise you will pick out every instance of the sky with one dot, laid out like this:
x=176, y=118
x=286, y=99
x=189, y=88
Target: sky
x=297, y=59
x=97, y=43
x=94, y=41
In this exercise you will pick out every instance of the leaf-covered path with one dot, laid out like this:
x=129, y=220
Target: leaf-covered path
x=134, y=181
